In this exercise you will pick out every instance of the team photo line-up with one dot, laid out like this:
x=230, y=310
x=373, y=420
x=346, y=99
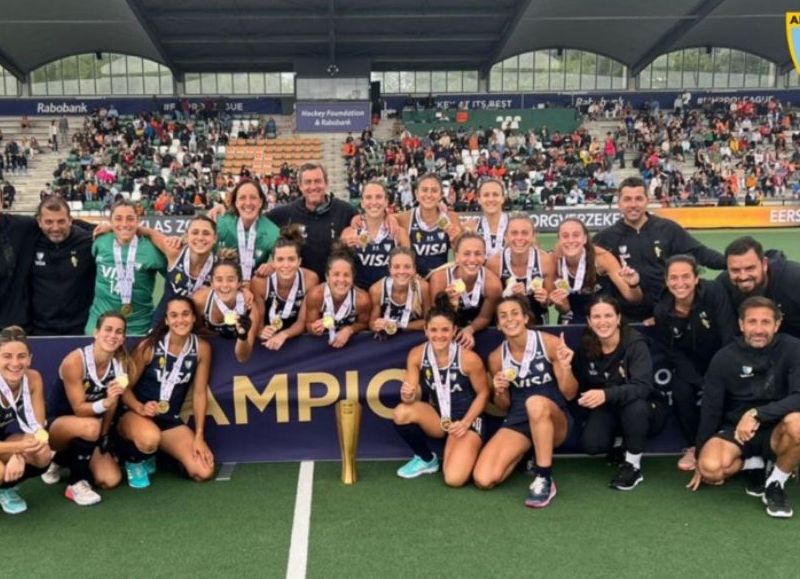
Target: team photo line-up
x=320, y=267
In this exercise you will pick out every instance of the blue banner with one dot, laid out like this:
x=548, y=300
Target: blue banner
x=133, y=106
x=279, y=406
x=331, y=117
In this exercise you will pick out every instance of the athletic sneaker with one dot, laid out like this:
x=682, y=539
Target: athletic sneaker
x=688, y=461
x=11, y=502
x=627, y=478
x=81, y=493
x=53, y=474
x=754, y=481
x=150, y=465
x=776, y=501
x=541, y=492
x=137, y=475
x=417, y=467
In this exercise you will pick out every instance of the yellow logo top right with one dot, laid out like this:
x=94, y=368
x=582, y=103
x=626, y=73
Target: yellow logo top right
x=793, y=37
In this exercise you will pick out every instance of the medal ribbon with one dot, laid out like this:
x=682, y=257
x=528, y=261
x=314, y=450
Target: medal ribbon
x=409, y=305
x=470, y=299
x=247, y=246
x=531, y=345
x=580, y=273
x=492, y=247
x=91, y=367
x=383, y=233
x=169, y=381
x=338, y=315
x=424, y=226
x=29, y=425
x=203, y=277
x=442, y=389
x=286, y=312
x=126, y=273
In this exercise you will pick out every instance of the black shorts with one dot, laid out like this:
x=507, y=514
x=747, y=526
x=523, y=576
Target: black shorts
x=759, y=445
x=167, y=421
x=524, y=428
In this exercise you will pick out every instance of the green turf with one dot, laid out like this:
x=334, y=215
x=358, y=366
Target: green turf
x=389, y=527
x=176, y=528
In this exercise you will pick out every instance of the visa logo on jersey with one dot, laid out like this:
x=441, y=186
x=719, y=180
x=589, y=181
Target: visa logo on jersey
x=430, y=249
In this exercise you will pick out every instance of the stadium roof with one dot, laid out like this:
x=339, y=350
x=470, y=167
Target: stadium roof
x=254, y=35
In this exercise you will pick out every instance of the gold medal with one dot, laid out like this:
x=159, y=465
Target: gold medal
x=391, y=327
x=231, y=318
x=562, y=284
x=537, y=283
x=328, y=322
x=459, y=286
x=163, y=406
x=511, y=282
x=443, y=222
x=42, y=436
x=126, y=310
x=510, y=374
x=363, y=239
x=446, y=423
x=277, y=323
x=178, y=277
x=122, y=381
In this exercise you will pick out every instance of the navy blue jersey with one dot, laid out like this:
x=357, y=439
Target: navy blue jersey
x=579, y=301
x=540, y=313
x=351, y=316
x=461, y=392
x=149, y=386
x=8, y=420
x=467, y=313
x=58, y=401
x=275, y=303
x=431, y=245
x=372, y=261
x=223, y=330
x=395, y=309
x=540, y=380
x=179, y=282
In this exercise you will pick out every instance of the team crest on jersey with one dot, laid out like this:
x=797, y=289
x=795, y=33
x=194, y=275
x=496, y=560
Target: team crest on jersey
x=606, y=375
x=540, y=366
x=592, y=369
x=86, y=384
x=178, y=277
x=747, y=372
x=187, y=364
x=441, y=235
x=705, y=321
x=657, y=249
x=428, y=373
x=40, y=258
x=623, y=253
x=74, y=260
x=162, y=361
x=793, y=37
x=622, y=371
x=387, y=247
x=419, y=236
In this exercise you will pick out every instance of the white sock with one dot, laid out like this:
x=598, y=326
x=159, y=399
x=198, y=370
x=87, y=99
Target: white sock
x=634, y=460
x=778, y=476
x=753, y=463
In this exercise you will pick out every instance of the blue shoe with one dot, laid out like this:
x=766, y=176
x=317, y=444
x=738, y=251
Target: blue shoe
x=137, y=475
x=417, y=467
x=150, y=465
x=540, y=493
x=11, y=502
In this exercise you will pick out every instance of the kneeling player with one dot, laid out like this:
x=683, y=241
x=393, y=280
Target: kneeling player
x=751, y=408
x=454, y=394
x=172, y=358
x=532, y=381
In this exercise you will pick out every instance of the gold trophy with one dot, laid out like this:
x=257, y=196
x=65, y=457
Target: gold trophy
x=348, y=425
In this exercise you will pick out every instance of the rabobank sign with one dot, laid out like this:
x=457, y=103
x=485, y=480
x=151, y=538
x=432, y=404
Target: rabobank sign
x=62, y=108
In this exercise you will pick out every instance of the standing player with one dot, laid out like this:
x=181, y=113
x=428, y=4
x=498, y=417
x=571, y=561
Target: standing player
x=432, y=228
x=493, y=222
x=126, y=272
x=644, y=242
x=751, y=272
x=245, y=229
x=400, y=301
x=336, y=307
x=454, y=392
x=474, y=290
x=751, y=408
x=532, y=380
x=169, y=361
x=693, y=319
x=91, y=380
x=284, y=291
x=523, y=268
x=24, y=448
x=373, y=242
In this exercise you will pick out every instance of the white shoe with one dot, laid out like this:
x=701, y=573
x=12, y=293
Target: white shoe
x=52, y=475
x=81, y=493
